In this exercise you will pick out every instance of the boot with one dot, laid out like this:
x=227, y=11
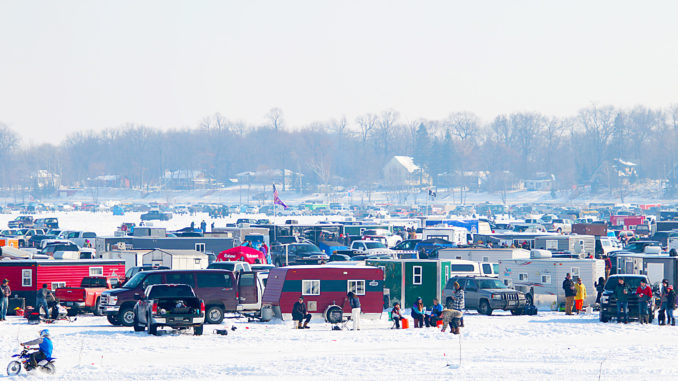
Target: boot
x=306, y=325
x=299, y=325
x=641, y=319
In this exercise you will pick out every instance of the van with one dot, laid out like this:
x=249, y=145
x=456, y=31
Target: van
x=223, y=291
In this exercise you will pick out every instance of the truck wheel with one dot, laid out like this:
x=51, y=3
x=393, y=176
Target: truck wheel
x=113, y=319
x=96, y=310
x=517, y=311
x=214, y=315
x=603, y=318
x=484, y=308
x=126, y=316
x=197, y=330
x=152, y=329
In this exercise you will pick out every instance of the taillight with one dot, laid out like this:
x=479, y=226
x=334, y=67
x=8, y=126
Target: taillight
x=202, y=308
x=154, y=309
x=237, y=294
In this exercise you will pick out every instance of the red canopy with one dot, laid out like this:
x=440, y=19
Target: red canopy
x=242, y=253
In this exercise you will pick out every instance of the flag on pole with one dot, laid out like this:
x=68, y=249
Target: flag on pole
x=432, y=194
x=276, y=199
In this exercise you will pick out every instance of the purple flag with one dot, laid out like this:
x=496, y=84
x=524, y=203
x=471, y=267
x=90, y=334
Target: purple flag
x=276, y=199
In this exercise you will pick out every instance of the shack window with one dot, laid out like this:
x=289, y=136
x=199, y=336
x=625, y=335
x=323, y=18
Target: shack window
x=200, y=247
x=575, y=272
x=310, y=287
x=522, y=276
x=357, y=287
x=56, y=285
x=416, y=275
x=546, y=279
x=96, y=271
x=26, y=278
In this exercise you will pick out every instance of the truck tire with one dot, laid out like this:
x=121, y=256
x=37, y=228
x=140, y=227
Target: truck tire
x=484, y=308
x=152, y=329
x=113, y=319
x=197, y=330
x=96, y=311
x=517, y=311
x=214, y=315
x=126, y=316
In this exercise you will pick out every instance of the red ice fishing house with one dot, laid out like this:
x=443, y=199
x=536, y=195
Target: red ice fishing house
x=26, y=277
x=323, y=287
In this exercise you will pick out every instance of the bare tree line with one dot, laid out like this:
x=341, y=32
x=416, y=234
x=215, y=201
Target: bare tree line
x=352, y=152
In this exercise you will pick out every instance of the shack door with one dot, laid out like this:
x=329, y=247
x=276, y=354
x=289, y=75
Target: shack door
x=248, y=290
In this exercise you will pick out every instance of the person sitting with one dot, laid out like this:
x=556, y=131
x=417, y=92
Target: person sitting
x=418, y=312
x=299, y=313
x=44, y=351
x=436, y=310
x=396, y=315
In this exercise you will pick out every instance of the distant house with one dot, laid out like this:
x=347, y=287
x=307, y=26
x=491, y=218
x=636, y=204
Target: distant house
x=542, y=182
x=185, y=179
x=271, y=176
x=109, y=181
x=43, y=179
x=401, y=170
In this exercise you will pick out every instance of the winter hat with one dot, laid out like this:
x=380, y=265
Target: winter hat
x=456, y=284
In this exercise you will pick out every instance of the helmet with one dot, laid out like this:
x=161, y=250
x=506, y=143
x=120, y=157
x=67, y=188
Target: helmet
x=44, y=333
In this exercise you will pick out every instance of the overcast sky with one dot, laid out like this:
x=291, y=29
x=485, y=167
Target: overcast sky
x=67, y=66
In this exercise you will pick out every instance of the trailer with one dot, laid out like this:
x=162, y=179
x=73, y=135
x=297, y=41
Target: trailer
x=26, y=277
x=132, y=258
x=483, y=254
x=583, y=245
x=176, y=259
x=539, y=277
x=599, y=230
x=656, y=267
x=324, y=287
x=456, y=235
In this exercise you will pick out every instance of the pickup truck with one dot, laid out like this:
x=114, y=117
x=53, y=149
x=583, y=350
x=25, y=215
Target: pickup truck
x=156, y=215
x=169, y=305
x=223, y=291
x=86, y=297
x=370, y=248
x=21, y=222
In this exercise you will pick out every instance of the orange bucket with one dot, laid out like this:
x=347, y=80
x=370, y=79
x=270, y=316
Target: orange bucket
x=405, y=323
x=439, y=323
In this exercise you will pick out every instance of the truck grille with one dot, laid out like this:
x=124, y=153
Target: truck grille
x=103, y=300
x=509, y=296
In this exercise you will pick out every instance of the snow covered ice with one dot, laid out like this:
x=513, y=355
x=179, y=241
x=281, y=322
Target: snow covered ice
x=550, y=346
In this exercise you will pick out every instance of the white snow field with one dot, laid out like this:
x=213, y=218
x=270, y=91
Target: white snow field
x=550, y=346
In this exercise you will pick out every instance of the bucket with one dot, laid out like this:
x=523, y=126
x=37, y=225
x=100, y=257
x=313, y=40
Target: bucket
x=439, y=324
x=405, y=323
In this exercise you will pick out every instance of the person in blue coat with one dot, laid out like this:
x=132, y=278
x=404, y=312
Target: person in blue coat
x=418, y=312
x=436, y=311
x=45, y=348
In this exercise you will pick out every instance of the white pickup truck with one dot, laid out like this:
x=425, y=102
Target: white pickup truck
x=370, y=248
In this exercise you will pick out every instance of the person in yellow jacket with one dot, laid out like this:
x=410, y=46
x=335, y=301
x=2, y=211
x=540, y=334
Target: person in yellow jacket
x=580, y=288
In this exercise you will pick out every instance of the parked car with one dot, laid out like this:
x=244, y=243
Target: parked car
x=298, y=254
x=80, y=238
x=559, y=225
x=132, y=271
x=21, y=222
x=86, y=297
x=169, y=305
x=608, y=302
x=486, y=294
x=156, y=215
x=235, y=266
x=370, y=248
x=47, y=223
x=408, y=244
x=223, y=291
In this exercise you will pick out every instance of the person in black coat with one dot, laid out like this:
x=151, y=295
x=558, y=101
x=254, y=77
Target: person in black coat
x=570, y=292
x=300, y=314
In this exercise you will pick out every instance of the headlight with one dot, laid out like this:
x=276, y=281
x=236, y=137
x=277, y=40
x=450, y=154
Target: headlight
x=496, y=296
x=112, y=300
x=162, y=311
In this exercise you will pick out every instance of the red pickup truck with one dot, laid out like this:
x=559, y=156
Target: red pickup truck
x=86, y=297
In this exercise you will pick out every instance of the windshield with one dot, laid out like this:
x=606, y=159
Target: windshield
x=490, y=283
x=375, y=245
x=135, y=281
x=307, y=248
x=222, y=266
x=632, y=282
x=171, y=292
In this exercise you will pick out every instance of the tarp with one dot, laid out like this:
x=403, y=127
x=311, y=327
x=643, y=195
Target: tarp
x=242, y=253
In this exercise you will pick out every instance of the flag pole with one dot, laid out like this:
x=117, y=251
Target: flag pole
x=275, y=214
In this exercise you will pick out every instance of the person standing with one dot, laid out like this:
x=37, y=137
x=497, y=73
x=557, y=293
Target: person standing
x=621, y=293
x=644, y=293
x=608, y=267
x=670, y=306
x=570, y=293
x=663, y=300
x=43, y=296
x=458, y=302
x=203, y=226
x=300, y=314
x=267, y=255
x=600, y=287
x=5, y=292
x=580, y=295
x=354, y=302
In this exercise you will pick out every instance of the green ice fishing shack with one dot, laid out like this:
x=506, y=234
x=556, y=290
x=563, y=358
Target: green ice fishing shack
x=407, y=279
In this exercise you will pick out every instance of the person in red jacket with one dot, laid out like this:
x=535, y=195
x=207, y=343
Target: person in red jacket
x=644, y=293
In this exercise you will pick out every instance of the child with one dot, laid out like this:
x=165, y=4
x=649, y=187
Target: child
x=396, y=315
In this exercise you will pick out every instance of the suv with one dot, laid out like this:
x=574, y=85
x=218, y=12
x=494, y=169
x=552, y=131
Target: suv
x=222, y=291
x=21, y=222
x=486, y=294
x=608, y=302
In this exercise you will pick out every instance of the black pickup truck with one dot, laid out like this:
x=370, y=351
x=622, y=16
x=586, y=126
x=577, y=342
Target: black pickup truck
x=169, y=305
